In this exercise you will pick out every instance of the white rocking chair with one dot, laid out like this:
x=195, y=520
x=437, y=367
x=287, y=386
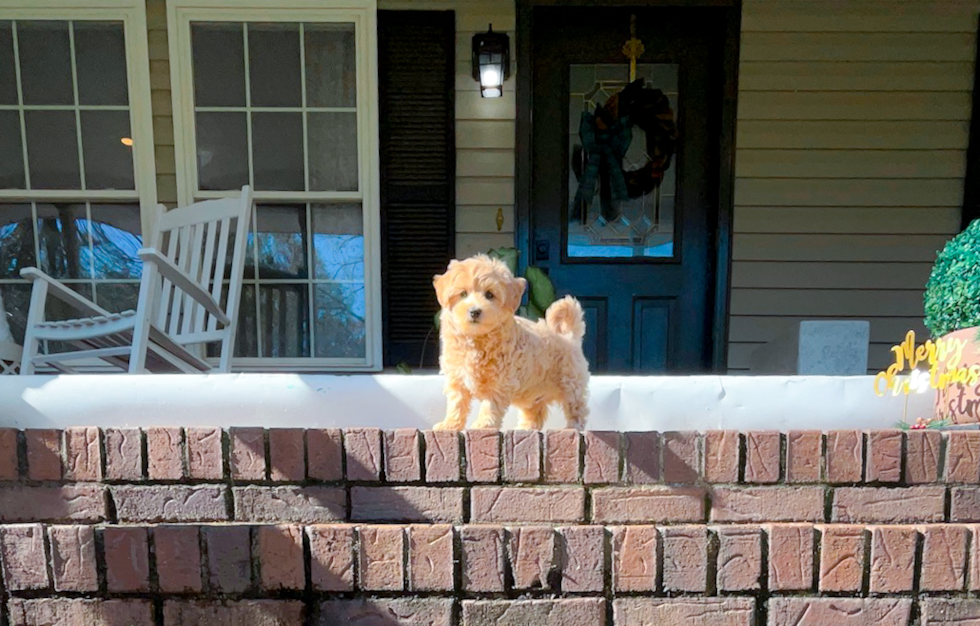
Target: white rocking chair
x=179, y=308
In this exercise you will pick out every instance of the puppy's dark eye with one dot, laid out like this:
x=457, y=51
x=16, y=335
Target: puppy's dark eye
x=463, y=294
x=488, y=295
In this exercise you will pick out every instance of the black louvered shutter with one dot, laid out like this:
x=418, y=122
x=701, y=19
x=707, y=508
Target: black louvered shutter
x=416, y=65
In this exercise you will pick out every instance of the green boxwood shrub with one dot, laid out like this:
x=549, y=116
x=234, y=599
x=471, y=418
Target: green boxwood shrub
x=952, y=298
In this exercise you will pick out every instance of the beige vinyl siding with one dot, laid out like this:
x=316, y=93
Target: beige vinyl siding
x=163, y=123
x=850, y=155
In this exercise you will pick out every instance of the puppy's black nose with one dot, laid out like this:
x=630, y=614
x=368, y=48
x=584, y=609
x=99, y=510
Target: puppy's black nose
x=475, y=313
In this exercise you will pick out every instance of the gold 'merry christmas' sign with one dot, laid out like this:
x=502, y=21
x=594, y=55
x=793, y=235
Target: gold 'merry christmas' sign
x=943, y=356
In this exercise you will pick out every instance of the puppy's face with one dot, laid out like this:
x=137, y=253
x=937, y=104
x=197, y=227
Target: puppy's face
x=479, y=294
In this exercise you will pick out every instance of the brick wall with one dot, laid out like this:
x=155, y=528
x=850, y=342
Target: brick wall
x=245, y=527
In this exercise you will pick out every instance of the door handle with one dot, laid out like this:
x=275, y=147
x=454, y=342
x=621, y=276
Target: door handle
x=542, y=250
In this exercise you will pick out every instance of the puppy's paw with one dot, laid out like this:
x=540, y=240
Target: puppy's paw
x=485, y=421
x=448, y=425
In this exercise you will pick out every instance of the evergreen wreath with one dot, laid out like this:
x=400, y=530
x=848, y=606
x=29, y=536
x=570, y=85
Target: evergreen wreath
x=952, y=297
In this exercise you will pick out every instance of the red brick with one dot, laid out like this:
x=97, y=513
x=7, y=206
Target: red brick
x=8, y=454
x=790, y=557
x=682, y=457
x=888, y=505
x=634, y=558
x=281, y=557
x=689, y=611
x=83, y=454
x=407, y=504
x=363, y=449
x=739, y=558
x=402, y=457
x=685, y=558
x=123, y=454
x=386, y=612
x=482, y=455
x=325, y=454
x=974, y=564
x=562, y=612
x=533, y=557
x=561, y=456
x=601, y=457
x=964, y=504
x=582, y=558
x=767, y=504
x=127, y=560
x=380, y=561
x=287, y=454
x=442, y=461
x=204, y=456
x=24, y=558
x=884, y=456
x=170, y=503
x=922, y=456
x=943, y=557
x=76, y=503
x=430, y=558
x=803, y=456
x=290, y=504
x=841, y=558
x=331, y=557
x=950, y=611
x=247, y=453
x=165, y=457
x=483, y=558
x=839, y=611
x=892, y=559
x=43, y=454
x=80, y=611
x=629, y=505
x=844, y=458
x=229, y=556
x=527, y=504
x=642, y=462
x=762, y=450
x=232, y=613
x=178, y=558
x=73, y=558
x=522, y=456
x=962, y=457
x=721, y=456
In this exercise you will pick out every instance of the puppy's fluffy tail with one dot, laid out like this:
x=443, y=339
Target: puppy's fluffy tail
x=565, y=317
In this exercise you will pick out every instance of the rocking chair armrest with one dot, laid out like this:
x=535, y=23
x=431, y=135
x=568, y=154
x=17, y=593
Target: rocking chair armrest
x=63, y=293
x=177, y=276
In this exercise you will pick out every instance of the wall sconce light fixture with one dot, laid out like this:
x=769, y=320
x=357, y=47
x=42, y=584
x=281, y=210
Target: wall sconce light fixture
x=491, y=62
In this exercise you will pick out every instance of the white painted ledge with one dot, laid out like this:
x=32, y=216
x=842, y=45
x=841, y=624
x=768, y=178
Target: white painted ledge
x=416, y=401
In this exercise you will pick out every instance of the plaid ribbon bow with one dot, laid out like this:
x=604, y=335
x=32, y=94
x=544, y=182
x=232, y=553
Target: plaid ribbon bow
x=604, y=150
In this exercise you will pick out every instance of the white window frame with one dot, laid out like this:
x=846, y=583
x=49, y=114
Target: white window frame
x=132, y=13
x=361, y=13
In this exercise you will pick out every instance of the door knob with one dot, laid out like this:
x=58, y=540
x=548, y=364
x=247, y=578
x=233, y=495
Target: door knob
x=542, y=250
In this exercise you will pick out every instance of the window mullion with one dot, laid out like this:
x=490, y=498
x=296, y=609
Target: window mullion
x=20, y=104
x=78, y=114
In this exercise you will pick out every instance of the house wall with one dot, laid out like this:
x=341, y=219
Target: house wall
x=163, y=124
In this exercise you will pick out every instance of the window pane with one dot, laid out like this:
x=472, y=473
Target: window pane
x=45, y=62
x=8, y=77
x=331, y=73
x=108, y=162
x=12, y=151
x=340, y=311
x=274, y=65
x=333, y=151
x=52, y=149
x=115, y=241
x=282, y=241
x=338, y=242
x=16, y=239
x=117, y=297
x=63, y=239
x=219, y=64
x=100, y=59
x=285, y=314
x=222, y=157
x=246, y=339
x=277, y=151
x=16, y=299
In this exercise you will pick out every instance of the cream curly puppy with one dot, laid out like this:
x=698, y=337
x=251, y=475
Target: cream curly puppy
x=492, y=355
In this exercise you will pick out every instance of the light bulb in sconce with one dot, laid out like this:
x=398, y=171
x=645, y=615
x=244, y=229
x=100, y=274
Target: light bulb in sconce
x=126, y=141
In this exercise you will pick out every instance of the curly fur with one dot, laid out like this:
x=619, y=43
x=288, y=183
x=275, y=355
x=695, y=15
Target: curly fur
x=501, y=359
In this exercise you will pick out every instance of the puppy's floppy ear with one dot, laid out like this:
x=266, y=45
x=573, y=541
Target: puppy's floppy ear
x=515, y=291
x=440, y=282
